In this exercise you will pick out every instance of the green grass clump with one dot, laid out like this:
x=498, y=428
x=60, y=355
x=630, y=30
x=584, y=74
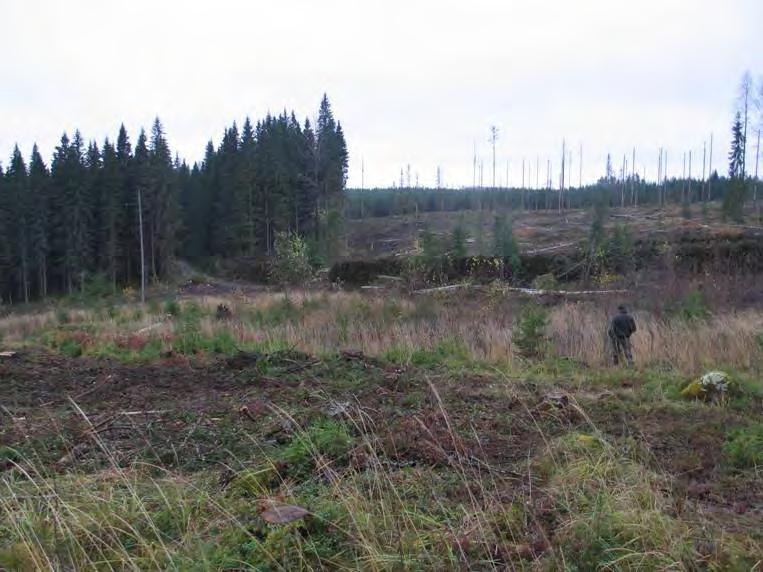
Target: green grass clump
x=615, y=515
x=744, y=446
x=450, y=352
x=255, y=482
x=327, y=438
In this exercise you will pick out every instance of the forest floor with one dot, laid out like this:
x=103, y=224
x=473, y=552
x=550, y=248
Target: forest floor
x=338, y=431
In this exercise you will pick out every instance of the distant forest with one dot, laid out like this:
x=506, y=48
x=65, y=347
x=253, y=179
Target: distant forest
x=633, y=191
x=63, y=225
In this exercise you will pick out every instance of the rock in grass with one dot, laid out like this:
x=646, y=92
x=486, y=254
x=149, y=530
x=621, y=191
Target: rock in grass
x=713, y=386
x=284, y=513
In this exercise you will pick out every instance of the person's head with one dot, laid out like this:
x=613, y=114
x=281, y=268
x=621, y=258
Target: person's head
x=622, y=309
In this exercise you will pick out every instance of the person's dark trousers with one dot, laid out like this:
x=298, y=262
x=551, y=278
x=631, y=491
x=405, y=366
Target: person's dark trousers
x=621, y=346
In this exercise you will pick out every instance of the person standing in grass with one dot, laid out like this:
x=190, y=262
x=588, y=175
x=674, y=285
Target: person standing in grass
x=621, y=328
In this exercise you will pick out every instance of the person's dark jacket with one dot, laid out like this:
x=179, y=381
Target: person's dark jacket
x=623, y=325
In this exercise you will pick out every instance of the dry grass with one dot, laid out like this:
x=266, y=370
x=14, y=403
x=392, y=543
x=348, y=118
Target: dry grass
x=324, y=322
x=730, y=340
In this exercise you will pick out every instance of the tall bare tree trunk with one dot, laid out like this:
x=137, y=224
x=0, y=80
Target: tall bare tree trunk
x=704, y=179
x=474, y=166
x=665, y=177
x=659, y=177
x=622, y=185
x=142, y=249
x=689, y=183
x=633, y=179
x=493, y=139
x=710, y=169
x=561, y=179
x=755, y=184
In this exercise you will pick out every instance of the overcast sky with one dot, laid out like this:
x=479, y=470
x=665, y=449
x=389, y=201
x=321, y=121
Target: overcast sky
x=413, y=82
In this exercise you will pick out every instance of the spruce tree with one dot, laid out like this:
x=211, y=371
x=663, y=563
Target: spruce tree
x=505, y=245
x=41, y=216
x=246, y=192
x=733, y=198
x=458, y=248
x=77, y=214
x=128, y=239
x=163, y=203
x=332, y=176
x=309, y=177
x=200, y=204
x=225, y=215
x=17, y=187
x=5, y=242
x=736, y=154
x=94, y=187
x=110, y=215
x=140, y=175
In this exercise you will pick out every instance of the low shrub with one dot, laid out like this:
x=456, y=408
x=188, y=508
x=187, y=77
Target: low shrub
x=172, y=308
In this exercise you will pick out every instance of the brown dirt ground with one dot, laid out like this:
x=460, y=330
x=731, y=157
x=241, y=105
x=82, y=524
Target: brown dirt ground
x=187, y=413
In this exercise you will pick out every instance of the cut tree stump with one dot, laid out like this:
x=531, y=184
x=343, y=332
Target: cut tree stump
x=243, y=360
x=284, y=514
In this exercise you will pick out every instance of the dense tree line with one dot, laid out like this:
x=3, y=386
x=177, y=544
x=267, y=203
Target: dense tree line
x=64, y=224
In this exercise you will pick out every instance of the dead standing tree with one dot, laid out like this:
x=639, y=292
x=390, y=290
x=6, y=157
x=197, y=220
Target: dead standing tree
x=755, y=180
x=710, y=168
x=561, y=178
x=633, y=179
x=493, y=139
x=622, y=183
x=659, y=178
x=704, y=180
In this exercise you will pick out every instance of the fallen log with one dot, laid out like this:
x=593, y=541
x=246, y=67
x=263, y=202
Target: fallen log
x=284, y=514
x=443, y=288
x=550, y=248
x=74, y=453
x=539, y=292
x=150, y=328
